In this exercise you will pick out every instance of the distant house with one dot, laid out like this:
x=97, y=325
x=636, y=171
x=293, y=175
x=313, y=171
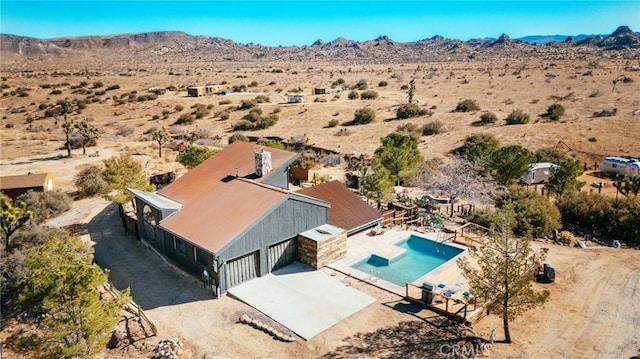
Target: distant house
x=620, y=166
x=207, y=90
x=319, y=91
x=295, y=97
x=538, y=173
x=347, y=210
x=14, y=186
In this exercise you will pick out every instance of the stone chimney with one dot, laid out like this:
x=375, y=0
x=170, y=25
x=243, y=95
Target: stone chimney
x=263, y=163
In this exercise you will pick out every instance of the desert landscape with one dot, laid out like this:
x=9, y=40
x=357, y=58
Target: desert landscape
x=132, y=85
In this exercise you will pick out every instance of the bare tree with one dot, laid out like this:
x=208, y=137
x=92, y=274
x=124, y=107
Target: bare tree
x=458, y=179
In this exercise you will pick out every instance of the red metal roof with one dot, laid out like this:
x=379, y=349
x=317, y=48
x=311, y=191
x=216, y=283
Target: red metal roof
x=347, y=210
x=217, y=205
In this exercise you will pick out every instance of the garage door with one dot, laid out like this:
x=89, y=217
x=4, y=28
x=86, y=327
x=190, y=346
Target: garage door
x=283, y=253
x=243, y=268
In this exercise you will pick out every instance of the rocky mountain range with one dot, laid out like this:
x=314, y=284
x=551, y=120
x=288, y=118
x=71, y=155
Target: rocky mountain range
x=172, y=45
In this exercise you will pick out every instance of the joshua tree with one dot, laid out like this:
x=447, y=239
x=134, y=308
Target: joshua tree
x=161, y=136
x=68, y=125
x=412, y=90
x=88, y=133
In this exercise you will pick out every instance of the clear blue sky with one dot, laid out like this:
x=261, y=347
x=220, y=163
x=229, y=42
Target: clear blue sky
x=302, y=22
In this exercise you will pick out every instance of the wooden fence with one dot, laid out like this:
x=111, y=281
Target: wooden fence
x=134, y=309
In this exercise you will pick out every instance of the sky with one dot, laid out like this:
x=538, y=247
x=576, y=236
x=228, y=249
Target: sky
x=301, y=22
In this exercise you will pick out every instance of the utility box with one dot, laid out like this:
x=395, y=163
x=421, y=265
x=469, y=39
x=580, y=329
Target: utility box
x=549, y=273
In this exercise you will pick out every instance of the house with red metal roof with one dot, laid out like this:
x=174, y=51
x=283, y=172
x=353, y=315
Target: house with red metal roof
x=233, y=217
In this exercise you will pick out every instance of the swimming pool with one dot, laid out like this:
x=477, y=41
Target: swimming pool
x=422, y=255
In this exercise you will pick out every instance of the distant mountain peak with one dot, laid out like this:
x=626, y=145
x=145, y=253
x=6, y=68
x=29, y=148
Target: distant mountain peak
x=318, y=42
x=622, y=30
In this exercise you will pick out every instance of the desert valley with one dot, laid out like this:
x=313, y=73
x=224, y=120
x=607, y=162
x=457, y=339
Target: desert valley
x=131, y=86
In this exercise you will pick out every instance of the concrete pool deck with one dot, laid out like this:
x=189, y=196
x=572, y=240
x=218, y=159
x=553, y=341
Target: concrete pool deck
x=362, y=245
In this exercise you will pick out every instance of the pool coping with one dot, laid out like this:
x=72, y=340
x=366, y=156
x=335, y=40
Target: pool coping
x=360, y=246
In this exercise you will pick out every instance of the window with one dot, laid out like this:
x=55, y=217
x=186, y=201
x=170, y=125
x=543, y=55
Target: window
x=179, y=246
x=200, y=256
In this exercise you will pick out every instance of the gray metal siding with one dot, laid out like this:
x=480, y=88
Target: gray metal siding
x=282, y=254
x=289, y=218
x=278, y=178
x=242, y=269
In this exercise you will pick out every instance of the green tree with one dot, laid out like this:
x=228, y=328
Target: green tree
x=161, y=137
x=398, y=153
x=628, y=185
x=88, y=133
x=535, y=216
x=12, y=217
x=64, y=288
x=479, y=147
x=89, y=181
x=192, y=156
x=504, y=273
x=564, y=177
x=409, y=110
x=124, y=172
x=549, y=154
x=377, y=184
x=510, y=162
x=363, y=116
x=412, y=90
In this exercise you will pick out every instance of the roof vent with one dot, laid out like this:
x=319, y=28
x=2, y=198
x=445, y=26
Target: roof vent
x=263, y=163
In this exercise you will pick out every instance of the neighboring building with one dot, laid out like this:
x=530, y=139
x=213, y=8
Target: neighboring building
x=620, y=166
x=198, y=91
x=319, y=91
x=295, y=97
x=14, y=186
x=232, y=216
x=347, y=210
x=538, y=173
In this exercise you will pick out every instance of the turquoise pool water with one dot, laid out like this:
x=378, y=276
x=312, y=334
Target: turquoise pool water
x=422, y=256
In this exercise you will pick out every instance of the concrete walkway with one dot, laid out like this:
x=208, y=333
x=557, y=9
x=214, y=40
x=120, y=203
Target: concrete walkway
x=302, y=299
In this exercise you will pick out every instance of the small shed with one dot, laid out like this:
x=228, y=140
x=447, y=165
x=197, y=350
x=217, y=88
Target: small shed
x=538, y=173
x=14, y=186
x=295, y=97
x=319, y=91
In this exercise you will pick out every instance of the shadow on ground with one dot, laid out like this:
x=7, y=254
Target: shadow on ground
x=152, y=281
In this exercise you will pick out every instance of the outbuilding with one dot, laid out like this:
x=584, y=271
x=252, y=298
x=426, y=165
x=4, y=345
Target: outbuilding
x=14, y=186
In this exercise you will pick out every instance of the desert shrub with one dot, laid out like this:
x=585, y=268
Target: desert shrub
x=487, y=118
x=46, y=205
x=361, y=85
x=467, y=105
x=253, y=84
x=432, y=128
x=409, y=110
x=411, y=129
x=602, y=216
x=42, y=106
x=369, y=95
x=382, y=83
x=125, y=130
x=555, y=111
x=262, y=99
x=605, y=113
x=238, y=137
x=9, y=125
x=567, y=238
x=333, y=123
x=184, y=119
x=113, y=87
x=266, y=122
x=253, y=116
x=179, y=108
x=224, y=116
x=363, y=116
x=97, y=84
x=200, y=112
x=165, y=114
x=549, y=154
x=224, y=102
x=330, y=160
x=56, y=92
x=339, y=81
x=89, y=181
x=517, y=117
x=247, y=104
x=320, y=99
x=353, y=95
